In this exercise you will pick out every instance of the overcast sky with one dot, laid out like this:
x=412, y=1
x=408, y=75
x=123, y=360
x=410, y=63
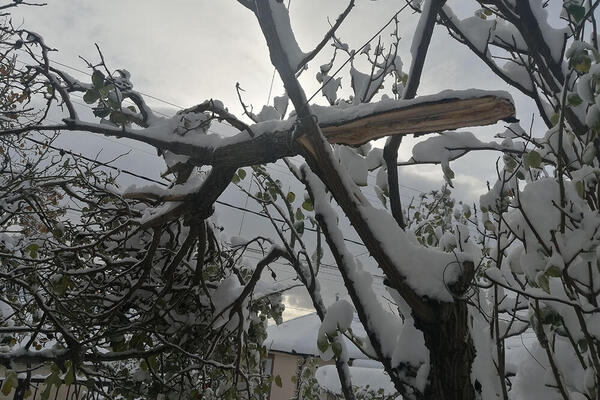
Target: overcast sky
x=186, y=51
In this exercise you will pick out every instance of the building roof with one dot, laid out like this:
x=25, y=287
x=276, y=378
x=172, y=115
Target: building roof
x=366, y=378
x=299, y=336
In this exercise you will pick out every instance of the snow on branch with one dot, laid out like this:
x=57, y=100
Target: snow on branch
x=296, y=59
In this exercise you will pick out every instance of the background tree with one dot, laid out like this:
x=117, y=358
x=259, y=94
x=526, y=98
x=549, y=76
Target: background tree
x=95, y=299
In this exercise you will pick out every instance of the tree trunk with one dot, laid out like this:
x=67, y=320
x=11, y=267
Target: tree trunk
x=451, y=353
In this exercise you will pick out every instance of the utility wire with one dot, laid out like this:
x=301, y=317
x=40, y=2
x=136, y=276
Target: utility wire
x=325, y=265
x=244, y=209
x=88, y=74
x=357, y=52
x=139, y=176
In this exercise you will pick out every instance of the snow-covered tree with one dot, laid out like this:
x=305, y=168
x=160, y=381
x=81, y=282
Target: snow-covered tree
x=94, y=298
x=460, y=297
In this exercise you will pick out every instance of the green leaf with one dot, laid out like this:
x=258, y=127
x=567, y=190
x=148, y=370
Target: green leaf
x=448, y=174
x=554, y=272
x=337, y=349
x=580, y=188
x=489, y=226
x=134, y=110
x=152, y=362
x=101, y=112
x=10, y=381
x=117, y=118
x=241, y=173
x=46, y=393
x=307, y=205
x=299, y=227
x=299, y=214
x=583, y=64
x=576, y=11
x=510, y=163
x=113, y=103
x=236, y=179
x=61, y=286
x=429, y=240
x=91, y=96
x=589, y=153
x=554, y=119
x=143, y=365
x=533, y=159
x=98, y=79
x=322, y=344
x=574, y=99
x=291, y=196
x=33, y=250
x=278, y=381
x=544, y=283
x=381, y=196
x=487, y=11
x=104, y=91
x=70, y=376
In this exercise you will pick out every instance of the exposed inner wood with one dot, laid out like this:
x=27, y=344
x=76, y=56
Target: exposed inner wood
x=421, y=118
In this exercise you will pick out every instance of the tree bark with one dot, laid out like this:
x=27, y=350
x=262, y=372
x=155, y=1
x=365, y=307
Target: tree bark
x=451, y=353
x=444, y=325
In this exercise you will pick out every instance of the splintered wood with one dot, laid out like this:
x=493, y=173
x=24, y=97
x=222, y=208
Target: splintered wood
x=436, y=116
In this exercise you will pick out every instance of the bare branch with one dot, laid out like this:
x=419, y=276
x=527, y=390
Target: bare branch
x=328, y=36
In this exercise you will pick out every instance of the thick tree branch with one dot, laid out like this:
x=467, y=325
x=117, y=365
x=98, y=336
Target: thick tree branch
x=344, y=262
x=432, y=114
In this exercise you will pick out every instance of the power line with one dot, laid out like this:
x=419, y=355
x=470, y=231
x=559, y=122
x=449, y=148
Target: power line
x=244, y=209
x=181, y=107
x=139, y=176
x=326, y=265
x=145, y=94
x=357, y=52
x=127, y=100
x=81, y=156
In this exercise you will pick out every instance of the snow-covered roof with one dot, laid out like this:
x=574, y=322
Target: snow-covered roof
x=299, y=336
x=365, y=378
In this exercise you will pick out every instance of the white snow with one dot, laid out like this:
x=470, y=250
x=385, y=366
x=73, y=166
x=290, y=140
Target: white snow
x=299, y=336
x=476, y=30
x=437, y=149
x=338, y=115
x=363, y=378
x=554, y=37
x=339, y=316
x=428, y=271
x=355, y=164
x=330, y=86
x=418, y=33
x=285, y=33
